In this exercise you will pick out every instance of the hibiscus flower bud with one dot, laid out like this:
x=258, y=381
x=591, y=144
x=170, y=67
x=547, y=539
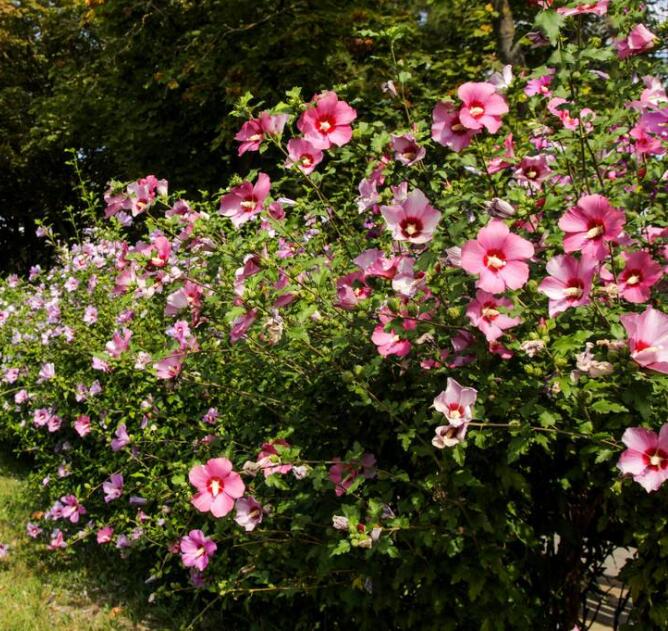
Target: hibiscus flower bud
x=340, y=522
x=500, y=208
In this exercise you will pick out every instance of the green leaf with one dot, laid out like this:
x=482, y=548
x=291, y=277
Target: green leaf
x=603, y=406
x=550, y=22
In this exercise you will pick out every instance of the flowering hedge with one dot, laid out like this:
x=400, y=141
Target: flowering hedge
x=408, y=370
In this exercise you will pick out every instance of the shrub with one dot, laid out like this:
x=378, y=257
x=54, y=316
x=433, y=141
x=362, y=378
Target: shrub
x=404, y=402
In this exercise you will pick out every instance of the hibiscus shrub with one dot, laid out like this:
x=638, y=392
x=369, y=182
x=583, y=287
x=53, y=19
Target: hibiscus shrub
x=412, y=373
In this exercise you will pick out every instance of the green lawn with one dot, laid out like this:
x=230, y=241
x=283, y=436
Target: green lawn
x=37, y=594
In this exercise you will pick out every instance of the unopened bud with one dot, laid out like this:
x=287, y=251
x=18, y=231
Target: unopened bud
x=500, y=208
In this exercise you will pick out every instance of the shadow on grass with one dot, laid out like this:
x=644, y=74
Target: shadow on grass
x=92, y=590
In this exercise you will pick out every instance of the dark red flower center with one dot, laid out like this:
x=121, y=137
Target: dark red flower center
x=595, y=229
x=494, y=260
x=456, y=411
x=215, y=486
x=656, y=460
x=476, y=109
x=411, y=227
x=489, y=311
x=249, y=204
x=326, y=124
x=574, y=289
x=633, y=277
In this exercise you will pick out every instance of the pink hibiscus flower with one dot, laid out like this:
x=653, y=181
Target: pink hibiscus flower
x=113, y=487
x=414, y=220
x=638, y=41
x=82, y=425
x=270, y=459
x=569, y=282
x=249, y=513
x=351, y=289
x=483, y=312
x=389, y=343
x=254, y=131
x=646, y=458
x=104, y=535
x=169, y=367
x=72, y=509
x=342, y=475
x=328, y=122
x=406, y=150
x=245, y=201
x=449, y=435
x=540, y=85
x=640, y=273
x=196, y=550
x=217, y=486
x=482, y=106
x=498, y=257
x=648, y=338
x=303, y=154
x=447, y=129
x=241, y=325
x=591, y=225
x=455, y=403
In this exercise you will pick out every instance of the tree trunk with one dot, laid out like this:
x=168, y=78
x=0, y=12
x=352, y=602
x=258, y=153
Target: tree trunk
x=508, y=51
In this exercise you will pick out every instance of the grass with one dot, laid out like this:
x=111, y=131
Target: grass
x=38, y=593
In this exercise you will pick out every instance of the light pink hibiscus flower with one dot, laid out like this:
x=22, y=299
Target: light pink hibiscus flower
x=217, y=486
x=498, y=257
x=569, y=282
x=414, y=220
x=591, y=225
x=455, y=403
x=646, y=458
x=648, y=338
x=249, y=513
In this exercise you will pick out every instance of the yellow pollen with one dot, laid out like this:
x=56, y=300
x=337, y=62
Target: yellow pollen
x=476, y=111
x=634, y=279
x=200, y=553
x=248, y=205
x=532, y=174
x=255, y=137
x=325, y=126
x=306, y=161
x=573, y=292
x=655, y=460
x=595, y=232
x=457, y=127
x=215, y=487
x=489, y=312
x=411, y=229
x=455, y=414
